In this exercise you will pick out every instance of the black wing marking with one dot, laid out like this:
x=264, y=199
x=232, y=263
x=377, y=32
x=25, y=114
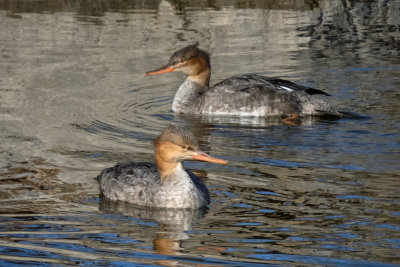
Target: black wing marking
x=296, y=87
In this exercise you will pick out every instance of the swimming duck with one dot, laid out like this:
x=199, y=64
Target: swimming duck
x=243, y=95
x=165, y=184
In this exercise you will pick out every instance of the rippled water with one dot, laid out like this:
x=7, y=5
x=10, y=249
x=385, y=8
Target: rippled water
x=74, y=100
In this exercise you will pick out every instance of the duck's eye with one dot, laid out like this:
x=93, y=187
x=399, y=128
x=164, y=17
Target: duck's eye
x=186, y=147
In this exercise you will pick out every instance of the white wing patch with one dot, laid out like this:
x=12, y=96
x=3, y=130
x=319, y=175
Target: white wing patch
x=286, y=88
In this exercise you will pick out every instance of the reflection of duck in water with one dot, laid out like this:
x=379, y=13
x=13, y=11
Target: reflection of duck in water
x=164, y=184
x=172, y=225
x=247, y=95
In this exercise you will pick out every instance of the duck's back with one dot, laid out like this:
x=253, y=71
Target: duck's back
x=256, y=95
x=134, y=182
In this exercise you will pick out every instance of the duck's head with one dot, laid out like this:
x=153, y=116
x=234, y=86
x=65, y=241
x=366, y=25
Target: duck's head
x=192, y=61
x=175, y=145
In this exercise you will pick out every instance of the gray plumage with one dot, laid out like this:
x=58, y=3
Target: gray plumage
x=256, y=95
x=140, y=183
x=245, y=95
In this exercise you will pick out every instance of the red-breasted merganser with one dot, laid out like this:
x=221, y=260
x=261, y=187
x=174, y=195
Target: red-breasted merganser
x=245, y=95
x=165, y=184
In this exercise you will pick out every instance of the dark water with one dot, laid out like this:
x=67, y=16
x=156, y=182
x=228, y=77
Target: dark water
x=74, y=100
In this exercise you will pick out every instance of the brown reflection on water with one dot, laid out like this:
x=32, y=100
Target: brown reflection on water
x=172, y=225
x=27, y=187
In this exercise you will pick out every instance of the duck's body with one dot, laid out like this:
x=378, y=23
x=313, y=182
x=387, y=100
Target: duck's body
x=250, y=95
x=165, y=184
x=140, y=183
x=245, y=95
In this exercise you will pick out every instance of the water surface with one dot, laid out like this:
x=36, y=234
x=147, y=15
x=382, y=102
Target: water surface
x=74, y=100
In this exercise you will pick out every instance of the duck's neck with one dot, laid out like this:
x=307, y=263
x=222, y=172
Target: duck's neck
x=190, y=91
x=167, y=169
x=202, y=78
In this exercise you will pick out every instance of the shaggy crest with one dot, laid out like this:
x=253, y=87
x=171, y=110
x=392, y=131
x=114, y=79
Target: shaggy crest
x=178, y=136
x=187, y=53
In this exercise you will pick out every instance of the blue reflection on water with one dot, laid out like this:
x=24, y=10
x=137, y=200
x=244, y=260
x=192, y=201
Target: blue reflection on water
x=353, y=197
x=317, y=260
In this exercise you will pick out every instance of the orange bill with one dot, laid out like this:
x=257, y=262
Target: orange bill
x=164, y=69
x=204, y=157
